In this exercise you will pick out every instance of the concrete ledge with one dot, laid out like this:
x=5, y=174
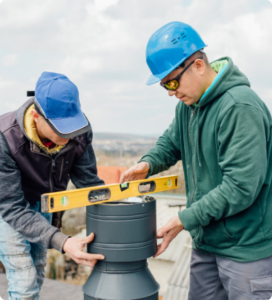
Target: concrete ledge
x=51, y=290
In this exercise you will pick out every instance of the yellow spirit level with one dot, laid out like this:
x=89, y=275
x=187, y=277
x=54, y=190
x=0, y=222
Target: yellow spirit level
x=59, y=201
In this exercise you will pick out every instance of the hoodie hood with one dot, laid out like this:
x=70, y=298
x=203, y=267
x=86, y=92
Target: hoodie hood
x=228, y=77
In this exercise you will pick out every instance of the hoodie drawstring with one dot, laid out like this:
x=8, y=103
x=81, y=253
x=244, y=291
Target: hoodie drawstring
x=188, y=139
x=198, y=140
x=197, y=137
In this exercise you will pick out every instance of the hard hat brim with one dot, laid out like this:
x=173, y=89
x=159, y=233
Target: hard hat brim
x=154, y=79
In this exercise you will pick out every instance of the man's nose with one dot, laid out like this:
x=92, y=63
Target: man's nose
x=171, y=93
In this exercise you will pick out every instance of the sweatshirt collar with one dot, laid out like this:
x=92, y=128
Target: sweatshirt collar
x=220, y=71
x=31, y=132
x=228, y=77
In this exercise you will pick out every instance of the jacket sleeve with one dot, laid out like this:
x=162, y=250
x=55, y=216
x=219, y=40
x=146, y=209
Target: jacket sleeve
x=16, y=210
x=84, y=171
x=166, y=152
x=242, y=140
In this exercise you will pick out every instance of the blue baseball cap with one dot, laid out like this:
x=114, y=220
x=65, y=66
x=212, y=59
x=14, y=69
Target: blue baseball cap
x=57, y=100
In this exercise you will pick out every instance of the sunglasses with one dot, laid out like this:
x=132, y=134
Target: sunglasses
x=173, y=84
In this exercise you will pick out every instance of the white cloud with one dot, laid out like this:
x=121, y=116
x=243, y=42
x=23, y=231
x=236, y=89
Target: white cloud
x=6, y=84
x=102, y=5
x=10, y=59
x=100, y=45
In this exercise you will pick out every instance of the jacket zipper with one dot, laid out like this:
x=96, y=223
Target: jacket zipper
x=192, y=200
x=61, y=168
x=51, y=172
x=53, y=164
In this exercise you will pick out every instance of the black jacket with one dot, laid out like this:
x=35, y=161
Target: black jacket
x=27, y=172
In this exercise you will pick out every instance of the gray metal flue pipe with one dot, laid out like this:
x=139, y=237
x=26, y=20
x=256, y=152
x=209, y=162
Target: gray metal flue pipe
x=125, y=233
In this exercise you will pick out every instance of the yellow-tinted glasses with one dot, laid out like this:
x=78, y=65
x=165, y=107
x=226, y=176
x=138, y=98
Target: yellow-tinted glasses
x=173, y=84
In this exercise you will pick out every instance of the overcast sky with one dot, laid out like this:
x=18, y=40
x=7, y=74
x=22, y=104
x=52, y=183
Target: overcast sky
x=100, y=45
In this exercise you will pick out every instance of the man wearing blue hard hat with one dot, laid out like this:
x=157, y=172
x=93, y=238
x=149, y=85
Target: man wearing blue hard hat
x=42, y=144
x=222, y=133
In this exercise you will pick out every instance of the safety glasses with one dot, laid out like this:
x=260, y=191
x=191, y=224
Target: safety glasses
x=173, y=84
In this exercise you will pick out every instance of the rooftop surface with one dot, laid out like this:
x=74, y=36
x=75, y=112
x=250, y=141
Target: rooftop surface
x=51, y=290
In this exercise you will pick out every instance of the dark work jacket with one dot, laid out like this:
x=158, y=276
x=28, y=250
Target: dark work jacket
x=38, y=172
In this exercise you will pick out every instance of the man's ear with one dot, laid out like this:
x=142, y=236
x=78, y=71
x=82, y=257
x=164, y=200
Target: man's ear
x=200, y=66
x=35, y=115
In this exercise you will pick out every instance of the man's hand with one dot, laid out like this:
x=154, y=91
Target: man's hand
x=74, y=248
x=136, y=172
x=168, y=233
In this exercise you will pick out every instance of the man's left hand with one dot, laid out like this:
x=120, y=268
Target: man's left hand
x=168, y=233
x=74, y=248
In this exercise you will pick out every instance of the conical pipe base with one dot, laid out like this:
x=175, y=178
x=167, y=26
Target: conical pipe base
x=132, y=282
x=153, y=297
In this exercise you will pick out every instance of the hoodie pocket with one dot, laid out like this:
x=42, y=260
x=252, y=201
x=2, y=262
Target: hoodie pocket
x=224, y=226
x=194, y=233
x=216, y=235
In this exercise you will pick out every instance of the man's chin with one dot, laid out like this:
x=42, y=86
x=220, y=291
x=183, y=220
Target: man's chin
x=62, y=143
x=188, y=102
x=185, y=100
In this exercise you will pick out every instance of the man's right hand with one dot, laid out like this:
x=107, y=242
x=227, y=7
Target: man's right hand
x=136, y=172
x=74, y=248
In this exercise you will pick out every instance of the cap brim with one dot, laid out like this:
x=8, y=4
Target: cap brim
x=70, y=127
x=66, y=128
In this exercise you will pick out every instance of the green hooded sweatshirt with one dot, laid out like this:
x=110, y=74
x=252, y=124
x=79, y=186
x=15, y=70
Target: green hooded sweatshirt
x=224, y=143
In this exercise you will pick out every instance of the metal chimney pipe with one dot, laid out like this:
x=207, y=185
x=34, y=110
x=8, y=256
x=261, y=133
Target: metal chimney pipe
x=125, y=233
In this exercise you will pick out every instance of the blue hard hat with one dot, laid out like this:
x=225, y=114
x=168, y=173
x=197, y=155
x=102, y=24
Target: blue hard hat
x=169, y=47
x=57, y=100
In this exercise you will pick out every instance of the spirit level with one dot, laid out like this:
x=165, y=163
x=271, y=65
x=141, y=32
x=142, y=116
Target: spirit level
x=59, y=201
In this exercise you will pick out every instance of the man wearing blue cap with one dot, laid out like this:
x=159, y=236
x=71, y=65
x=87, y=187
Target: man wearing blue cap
x=44, y=143
x=222, y=133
